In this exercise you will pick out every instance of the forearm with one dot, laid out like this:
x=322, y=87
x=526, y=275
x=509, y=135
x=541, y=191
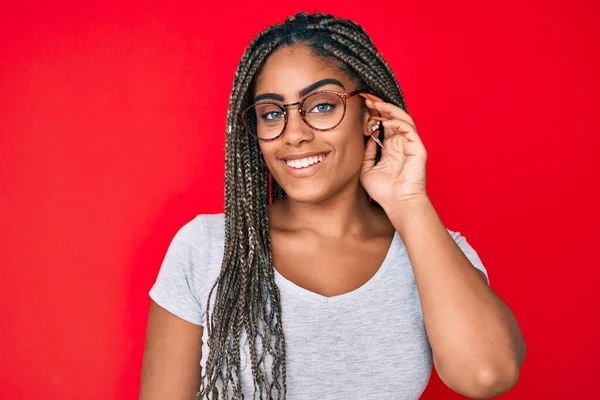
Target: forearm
x=476, y=342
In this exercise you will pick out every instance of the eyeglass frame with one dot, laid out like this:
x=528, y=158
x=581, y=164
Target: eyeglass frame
x=344, y=96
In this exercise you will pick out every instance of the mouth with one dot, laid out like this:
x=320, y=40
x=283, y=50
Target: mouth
x=305, y=166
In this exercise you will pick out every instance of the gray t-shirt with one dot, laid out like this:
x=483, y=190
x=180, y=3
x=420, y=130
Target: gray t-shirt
x=369, y=343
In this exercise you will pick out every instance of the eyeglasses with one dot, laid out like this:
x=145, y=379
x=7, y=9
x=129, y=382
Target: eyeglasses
x=322, y=111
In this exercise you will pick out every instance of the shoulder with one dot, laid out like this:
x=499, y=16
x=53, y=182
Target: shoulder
x=190, y=267
x=211, y=223
x=201, y=229
x=197, y=246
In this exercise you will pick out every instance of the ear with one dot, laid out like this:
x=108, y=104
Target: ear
x=368, y=121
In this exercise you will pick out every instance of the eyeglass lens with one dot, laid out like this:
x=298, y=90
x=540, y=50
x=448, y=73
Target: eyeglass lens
x=320, y=111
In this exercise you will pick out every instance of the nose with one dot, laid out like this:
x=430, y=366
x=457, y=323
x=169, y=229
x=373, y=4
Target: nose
x=296, y=131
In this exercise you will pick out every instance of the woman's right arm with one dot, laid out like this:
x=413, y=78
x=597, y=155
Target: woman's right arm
x=171, y=364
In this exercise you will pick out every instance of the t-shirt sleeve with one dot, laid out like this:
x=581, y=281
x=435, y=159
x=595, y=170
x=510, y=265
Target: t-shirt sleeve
x=469, y=252
x=175, y=289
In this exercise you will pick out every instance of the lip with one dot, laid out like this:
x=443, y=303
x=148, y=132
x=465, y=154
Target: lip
x=307, y=171
x=302, y=155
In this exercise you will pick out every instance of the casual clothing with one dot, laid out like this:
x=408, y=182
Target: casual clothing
x=369, y=343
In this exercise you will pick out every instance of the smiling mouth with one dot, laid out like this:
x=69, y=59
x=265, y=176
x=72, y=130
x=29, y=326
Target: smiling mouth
x=303, y=163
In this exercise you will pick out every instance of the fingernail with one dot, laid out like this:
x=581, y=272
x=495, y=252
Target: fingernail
x=375, y=98
x=379, y=119
x=371, y=97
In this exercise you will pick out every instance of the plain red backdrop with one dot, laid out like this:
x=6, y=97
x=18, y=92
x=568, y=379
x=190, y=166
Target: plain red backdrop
x=112, y=131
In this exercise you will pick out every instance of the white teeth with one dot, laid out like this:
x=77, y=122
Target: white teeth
x=305, y=162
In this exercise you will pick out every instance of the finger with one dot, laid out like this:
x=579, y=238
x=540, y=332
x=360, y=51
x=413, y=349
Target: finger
x=370, y=96
x=404, y=128
x=398, y=143
x=384, y=119
x=389, y=110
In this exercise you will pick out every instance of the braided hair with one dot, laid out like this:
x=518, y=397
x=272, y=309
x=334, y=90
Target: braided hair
x=246, y=294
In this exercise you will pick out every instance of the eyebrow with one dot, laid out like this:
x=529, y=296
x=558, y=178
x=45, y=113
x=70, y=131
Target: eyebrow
x=303, y=92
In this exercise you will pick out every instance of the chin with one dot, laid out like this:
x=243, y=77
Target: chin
x=308, y=193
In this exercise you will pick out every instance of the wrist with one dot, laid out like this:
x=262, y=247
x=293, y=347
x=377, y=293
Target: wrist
x=405, y=203
x=405, y=213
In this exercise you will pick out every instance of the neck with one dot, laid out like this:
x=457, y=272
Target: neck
x=347, y=212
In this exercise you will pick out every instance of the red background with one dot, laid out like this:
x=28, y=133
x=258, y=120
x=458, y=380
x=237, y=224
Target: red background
x=112, y=137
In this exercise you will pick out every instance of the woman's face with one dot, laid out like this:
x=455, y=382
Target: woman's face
x=286, y=73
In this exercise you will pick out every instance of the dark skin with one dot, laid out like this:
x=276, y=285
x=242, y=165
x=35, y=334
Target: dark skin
x=326, y=237
x=327, y=263
x=300, y=230
x=320, y=238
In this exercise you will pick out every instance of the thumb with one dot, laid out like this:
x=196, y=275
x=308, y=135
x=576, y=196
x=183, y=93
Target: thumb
x=370, y=153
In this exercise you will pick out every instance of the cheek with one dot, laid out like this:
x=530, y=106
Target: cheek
x=352, y=150
x=267, y=151
x=351, y=143
x=268, y=157
x=349, y=150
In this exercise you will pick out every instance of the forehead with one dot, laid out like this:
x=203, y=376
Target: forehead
x=292, y=68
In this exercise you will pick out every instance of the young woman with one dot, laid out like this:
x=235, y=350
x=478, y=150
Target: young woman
x=329, y=275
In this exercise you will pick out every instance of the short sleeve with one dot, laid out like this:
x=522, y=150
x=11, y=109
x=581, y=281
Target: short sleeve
x=469, y=252
x=174, y=289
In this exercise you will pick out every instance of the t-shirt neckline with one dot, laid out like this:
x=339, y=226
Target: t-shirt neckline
x=344, y=297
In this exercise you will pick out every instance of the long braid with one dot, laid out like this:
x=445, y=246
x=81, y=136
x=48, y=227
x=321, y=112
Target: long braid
x=247, y=297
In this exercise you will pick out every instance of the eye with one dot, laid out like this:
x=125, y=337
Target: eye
x=272, y=115
x=323, y=108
